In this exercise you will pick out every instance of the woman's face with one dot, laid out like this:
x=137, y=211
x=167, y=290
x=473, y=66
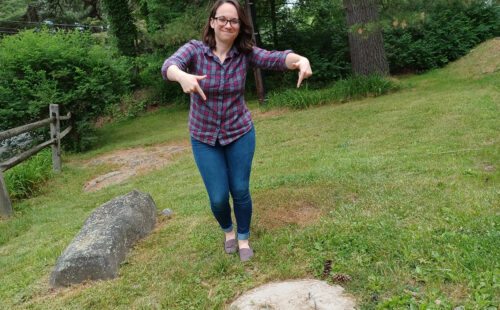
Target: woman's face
x=226, y=33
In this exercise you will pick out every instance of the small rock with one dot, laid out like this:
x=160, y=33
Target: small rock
x=414, y=294
x=459, y=308
x=167, y=212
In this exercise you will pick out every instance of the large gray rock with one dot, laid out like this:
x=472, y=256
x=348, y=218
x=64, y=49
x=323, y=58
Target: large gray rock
x=101, y=245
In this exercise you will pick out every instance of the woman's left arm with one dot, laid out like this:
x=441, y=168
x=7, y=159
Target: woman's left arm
x=295, y=61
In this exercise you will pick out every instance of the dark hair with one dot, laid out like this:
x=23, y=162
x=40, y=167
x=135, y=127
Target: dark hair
x=244, y=41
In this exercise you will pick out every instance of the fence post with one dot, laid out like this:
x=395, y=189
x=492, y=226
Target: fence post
x=5, y=204
x=55, y=130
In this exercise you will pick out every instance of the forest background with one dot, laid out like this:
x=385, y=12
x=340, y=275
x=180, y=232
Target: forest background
x=66, y=52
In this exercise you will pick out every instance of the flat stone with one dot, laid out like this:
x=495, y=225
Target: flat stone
x=97, y=250
x=167, y=212
x=295, y=295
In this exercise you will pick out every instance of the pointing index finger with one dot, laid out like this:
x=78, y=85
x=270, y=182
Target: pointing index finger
x=301, y=77
x=200, y=92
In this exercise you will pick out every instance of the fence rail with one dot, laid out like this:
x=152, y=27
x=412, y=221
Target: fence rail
x=55, y=141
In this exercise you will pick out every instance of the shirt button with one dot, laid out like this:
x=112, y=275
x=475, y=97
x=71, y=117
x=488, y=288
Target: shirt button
x=218, y=128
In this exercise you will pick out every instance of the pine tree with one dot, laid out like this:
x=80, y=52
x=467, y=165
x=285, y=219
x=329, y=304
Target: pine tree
x=365, y=38
x=122, y=25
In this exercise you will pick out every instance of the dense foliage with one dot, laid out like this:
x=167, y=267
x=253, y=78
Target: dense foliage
x=37, y=69
x=315, y=29
x=418, y=34
x=432, y=40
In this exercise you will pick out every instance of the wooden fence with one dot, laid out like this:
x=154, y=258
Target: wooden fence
x=55, y=141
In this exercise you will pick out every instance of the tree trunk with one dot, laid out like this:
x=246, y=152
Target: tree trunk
x=122, y=25
x=32, y=14
x=94, y=12
x=365, y=38
x=259, y=79
x=273, y=23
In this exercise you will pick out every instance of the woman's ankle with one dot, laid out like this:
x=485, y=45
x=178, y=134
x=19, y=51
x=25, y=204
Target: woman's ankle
x=230, y=235
x=243, y=244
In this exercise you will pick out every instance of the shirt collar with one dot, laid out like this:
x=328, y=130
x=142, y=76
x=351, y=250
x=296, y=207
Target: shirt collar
x=208, y=51
x=234, y=51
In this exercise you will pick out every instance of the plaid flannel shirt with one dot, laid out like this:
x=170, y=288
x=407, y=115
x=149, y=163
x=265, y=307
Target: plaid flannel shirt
x=224, y=115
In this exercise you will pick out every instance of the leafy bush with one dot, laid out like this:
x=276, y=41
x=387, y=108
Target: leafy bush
x=446, y=33
x=68, y=68
x=149, y=67
x=25, y=179
x=341, y=91
x=316, y=30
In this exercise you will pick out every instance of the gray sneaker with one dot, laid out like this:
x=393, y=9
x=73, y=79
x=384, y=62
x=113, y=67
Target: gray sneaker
x=246, y=254
x=230, y=246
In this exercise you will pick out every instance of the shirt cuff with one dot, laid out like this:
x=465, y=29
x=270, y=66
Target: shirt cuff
x=285, y=53
x=164, y=68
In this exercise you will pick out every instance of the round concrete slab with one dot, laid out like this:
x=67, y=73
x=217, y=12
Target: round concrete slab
x=295, y=295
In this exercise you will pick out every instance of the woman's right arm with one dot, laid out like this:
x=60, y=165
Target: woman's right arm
x=174, y=67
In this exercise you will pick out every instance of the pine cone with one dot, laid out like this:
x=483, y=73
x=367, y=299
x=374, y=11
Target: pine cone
x=327, y=268
x=340, y=277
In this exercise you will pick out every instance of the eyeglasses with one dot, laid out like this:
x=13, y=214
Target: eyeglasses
x=222, y=21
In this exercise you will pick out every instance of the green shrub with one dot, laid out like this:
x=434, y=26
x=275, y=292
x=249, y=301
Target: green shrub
x=149, y=67
x=341, y=91
x=446, y=33
x=316, y=31
x=68, y=68
x=25, y=179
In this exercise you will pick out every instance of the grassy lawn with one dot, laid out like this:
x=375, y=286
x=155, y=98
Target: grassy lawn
x=401, y=192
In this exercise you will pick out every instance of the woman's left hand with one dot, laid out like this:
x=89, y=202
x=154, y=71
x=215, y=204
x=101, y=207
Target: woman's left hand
x=304, y=67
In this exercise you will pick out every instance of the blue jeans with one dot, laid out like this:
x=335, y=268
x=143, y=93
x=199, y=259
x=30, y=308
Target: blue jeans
x=226, y=169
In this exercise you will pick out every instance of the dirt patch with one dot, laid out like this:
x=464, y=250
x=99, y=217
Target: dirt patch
x=288, y=206
x=298, y=213
x=257, y=114
x=132, y=162
x=295, y=295
x=489, y=168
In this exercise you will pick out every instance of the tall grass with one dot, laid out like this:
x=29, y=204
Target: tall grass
x=25, y=179
x=342, y=91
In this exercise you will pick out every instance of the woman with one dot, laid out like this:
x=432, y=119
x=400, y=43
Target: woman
x=221, y=128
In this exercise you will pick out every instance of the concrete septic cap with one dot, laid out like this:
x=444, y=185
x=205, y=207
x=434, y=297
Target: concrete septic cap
x=295, y=295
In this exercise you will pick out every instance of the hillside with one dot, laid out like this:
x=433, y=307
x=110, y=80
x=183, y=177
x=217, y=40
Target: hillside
x=401, y=192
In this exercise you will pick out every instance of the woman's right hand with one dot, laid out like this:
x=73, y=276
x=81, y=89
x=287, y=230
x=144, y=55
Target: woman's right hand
x=189, y=84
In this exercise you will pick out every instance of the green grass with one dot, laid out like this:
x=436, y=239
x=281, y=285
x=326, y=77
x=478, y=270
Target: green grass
x=26, y=179
x=401, y=192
